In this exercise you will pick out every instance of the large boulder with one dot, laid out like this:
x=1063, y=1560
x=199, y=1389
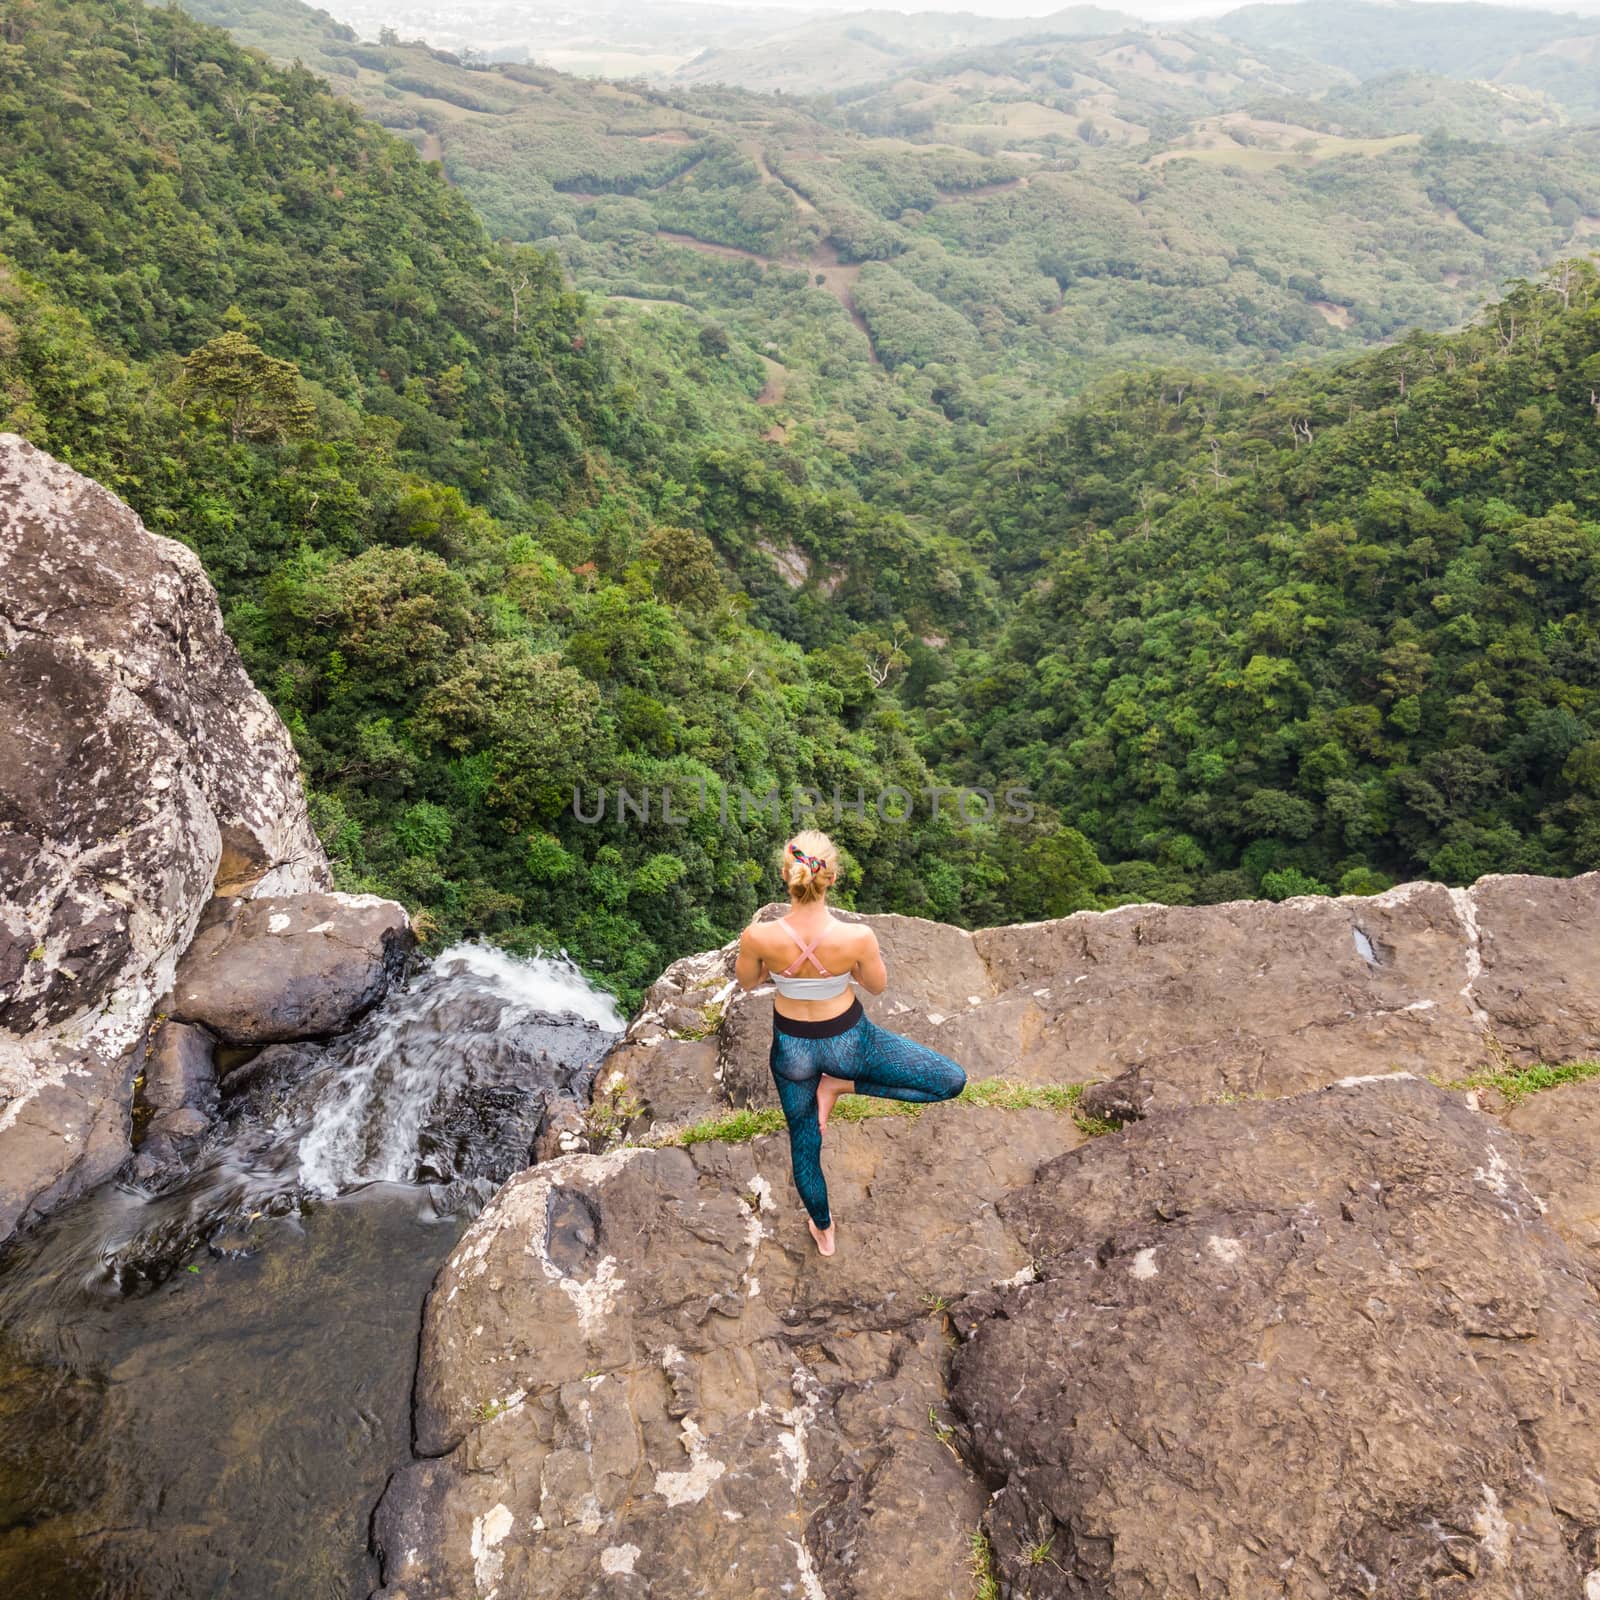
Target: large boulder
x=272, y=969
x=637, y=1377
x=177, y=1096
x=1274, y=1337
x=1314, y=1347
x=141, y=770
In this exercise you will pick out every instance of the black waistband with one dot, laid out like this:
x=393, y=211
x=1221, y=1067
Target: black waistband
x=827, y=1028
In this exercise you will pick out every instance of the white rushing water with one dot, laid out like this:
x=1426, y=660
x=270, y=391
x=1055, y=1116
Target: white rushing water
x=541, y=983
x=475, y=1005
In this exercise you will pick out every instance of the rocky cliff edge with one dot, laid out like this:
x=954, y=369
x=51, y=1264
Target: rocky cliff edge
x=143, y=780
x=1220, y=1281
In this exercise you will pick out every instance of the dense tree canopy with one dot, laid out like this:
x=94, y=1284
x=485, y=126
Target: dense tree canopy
x=496, y=564
x=1326, y=633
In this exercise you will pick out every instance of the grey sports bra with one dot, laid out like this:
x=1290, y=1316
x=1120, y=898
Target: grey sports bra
x=827, y=987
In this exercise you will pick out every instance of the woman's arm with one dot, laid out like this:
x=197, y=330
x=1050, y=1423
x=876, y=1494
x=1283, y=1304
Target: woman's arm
x=751, y=967
x=869, y=970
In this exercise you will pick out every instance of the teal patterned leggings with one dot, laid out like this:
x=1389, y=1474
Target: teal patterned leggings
x=876, y=1061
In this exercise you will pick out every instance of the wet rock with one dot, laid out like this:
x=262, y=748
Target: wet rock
x=169, y=1141
x=638, y=1377
x=138, y=761
x=270, y=970
x=241, y=1237
x=263, y=1088
x=483, y=1130
x=1320, y=1346
x=178, y=1069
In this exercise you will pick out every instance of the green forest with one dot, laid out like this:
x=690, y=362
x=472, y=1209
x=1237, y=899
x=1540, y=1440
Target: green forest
x=1245, y=612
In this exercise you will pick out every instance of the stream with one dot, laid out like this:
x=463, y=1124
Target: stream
x=205, y=1382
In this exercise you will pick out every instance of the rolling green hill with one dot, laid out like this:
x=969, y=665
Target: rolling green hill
x=1327, y=633
x=1554, y=52
x=921, y=263
x=476, y=549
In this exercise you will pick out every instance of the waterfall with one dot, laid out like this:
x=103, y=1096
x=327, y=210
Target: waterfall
x=478, y=1020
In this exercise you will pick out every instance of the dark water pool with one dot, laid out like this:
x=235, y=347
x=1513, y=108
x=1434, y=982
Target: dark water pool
x=224, y=1434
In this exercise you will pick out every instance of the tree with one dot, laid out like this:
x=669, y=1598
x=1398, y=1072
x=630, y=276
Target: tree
x=1057, y=875
x=257, y=395
x=686, y=571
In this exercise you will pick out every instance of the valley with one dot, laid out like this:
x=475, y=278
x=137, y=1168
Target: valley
x=476, y=482
x=987, y=420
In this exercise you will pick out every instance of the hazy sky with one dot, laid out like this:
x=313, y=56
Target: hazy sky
x=565, y=33
x=1154, y=10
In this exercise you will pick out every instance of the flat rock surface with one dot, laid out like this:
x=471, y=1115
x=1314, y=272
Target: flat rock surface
x=1163, y=1006
x=269, y=970
x=140, y=766
x=1539, y=983
x=1559, y=1136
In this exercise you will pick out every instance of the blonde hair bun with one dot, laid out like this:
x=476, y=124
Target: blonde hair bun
x=809, y=864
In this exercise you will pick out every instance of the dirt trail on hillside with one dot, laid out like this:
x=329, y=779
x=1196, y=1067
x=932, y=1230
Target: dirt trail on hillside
x=727, y=252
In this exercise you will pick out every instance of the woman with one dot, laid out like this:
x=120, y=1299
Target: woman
x=823, y=1045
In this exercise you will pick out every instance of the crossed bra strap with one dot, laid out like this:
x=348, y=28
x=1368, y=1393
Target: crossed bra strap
x=808, y=952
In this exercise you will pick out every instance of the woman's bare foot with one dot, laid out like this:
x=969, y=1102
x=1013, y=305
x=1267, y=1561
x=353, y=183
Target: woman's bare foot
x=823, y=1236
x=828, y=1091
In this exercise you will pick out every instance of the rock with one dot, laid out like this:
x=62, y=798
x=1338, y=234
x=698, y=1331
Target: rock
x=1315, y=1347
x=263, y=1089
x=1559, y=1133
x=139, y=765
x=565, y=1132
x=1179, y=1005
x=1538, y=984
x=1163, y=1006
x=266, y=971
x=65, y=1134
x=178, y=1070
x=183, y=1123
x=1268, y=1340
x=637, y=1376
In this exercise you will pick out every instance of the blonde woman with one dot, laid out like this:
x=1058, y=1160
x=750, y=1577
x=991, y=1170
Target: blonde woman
x=823, y=1044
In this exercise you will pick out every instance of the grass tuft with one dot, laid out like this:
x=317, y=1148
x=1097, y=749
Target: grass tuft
x=1515, y=1083
x=1005, y=1095
x=984, y=1586
x=1094, y=1127
x=739, y=1127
